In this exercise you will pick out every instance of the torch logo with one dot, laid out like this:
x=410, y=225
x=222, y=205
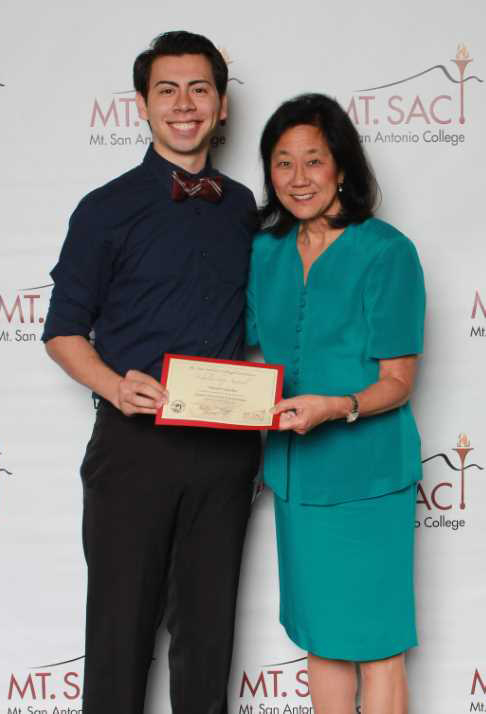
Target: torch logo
x=462, y=60
x=228, y=60
x=369, y=109
x=463, y=448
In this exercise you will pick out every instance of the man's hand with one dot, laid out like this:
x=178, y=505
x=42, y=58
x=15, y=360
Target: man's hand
x=301, y=414
x=135, y=393
x=139, y=393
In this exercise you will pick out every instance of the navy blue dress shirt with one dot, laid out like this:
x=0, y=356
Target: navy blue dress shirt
x=150, y=275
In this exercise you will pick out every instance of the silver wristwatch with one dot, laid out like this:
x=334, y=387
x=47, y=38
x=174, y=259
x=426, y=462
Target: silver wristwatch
x=354, y=413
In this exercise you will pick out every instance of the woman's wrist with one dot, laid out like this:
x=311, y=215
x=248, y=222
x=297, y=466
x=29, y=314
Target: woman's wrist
x=341, y=406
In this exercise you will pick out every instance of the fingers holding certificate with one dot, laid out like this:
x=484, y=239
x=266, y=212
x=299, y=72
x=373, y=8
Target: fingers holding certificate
x=219, y=393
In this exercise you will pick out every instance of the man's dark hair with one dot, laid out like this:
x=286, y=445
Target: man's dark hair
x=179, y=43
x=359, y=190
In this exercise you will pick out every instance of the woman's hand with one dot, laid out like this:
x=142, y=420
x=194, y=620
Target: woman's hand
x=392, y=389
x=307, y=411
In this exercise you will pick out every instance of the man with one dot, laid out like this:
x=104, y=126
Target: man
x=165, y=508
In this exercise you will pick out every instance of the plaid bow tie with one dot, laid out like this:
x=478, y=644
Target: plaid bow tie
x=207, y=187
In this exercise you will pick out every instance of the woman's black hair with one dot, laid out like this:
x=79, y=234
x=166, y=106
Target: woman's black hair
x=359, y=188
x=179, y=43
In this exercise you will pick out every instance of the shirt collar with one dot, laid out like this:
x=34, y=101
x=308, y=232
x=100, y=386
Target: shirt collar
x=163, y=169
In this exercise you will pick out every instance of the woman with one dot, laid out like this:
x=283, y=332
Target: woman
x=337, y=296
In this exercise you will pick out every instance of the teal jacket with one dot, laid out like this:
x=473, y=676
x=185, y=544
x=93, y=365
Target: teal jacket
x=364, y=300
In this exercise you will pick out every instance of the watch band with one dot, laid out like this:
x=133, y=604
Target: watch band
x=354, y=413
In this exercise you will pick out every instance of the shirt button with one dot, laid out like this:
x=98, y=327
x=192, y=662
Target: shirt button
x=205, y=342
x=298, y=328
x=206, y=297
x=204, y=253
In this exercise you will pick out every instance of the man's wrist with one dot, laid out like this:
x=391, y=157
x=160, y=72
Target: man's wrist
x=113, y=393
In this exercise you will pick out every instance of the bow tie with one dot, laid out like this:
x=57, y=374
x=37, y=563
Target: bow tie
x=207, y=187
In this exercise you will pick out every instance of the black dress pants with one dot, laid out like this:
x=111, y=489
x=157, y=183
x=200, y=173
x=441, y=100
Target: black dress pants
x=165, y=513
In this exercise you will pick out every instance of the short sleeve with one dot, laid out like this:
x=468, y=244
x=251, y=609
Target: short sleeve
x=394, y=301
x=78, y=277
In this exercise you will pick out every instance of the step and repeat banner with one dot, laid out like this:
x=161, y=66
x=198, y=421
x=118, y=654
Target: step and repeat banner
x=413, y=81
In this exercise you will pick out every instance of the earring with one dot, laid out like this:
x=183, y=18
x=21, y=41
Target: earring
x=340, y=187
x=222, y=122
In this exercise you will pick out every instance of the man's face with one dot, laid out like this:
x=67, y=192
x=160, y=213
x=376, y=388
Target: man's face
x=183, y=107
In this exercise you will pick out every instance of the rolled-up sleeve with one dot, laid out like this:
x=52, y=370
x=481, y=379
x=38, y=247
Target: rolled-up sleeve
x=394, y=302
x=78, y=277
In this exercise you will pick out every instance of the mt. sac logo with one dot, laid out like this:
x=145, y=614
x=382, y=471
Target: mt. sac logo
x=478, y=312
x=60, y=680
x=24, y=309
x=285, y=681
x=445, y=495
x=410, y=110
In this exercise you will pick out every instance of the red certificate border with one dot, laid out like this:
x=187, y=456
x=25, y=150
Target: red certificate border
x=163, y=421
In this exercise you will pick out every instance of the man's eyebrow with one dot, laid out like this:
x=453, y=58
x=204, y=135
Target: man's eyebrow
x=176, y=84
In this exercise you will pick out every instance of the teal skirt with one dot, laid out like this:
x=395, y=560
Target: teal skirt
x=346, y=576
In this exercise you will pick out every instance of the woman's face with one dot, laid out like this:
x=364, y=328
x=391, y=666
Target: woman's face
x=304, y=174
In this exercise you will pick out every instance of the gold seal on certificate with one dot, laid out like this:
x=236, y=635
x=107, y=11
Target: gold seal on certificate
x=218, y=393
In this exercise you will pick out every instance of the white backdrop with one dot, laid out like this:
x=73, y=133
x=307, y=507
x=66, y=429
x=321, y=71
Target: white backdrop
x=69, y=124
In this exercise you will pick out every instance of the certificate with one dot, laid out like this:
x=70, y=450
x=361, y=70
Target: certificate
x=220, y=393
